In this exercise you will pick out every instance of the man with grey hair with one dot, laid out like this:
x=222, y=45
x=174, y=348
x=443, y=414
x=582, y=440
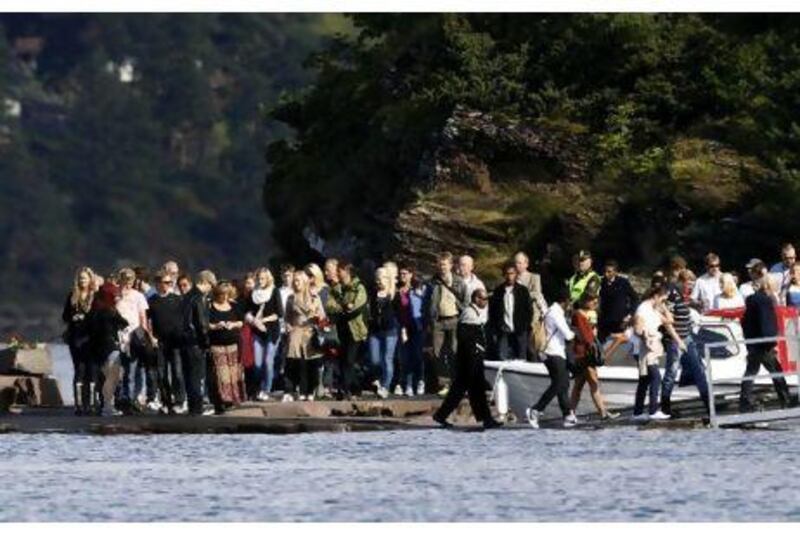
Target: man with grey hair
x=171, y=269
x=466, y=266
x=532, y=282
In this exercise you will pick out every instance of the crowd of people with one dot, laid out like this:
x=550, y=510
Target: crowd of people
x=170, y=341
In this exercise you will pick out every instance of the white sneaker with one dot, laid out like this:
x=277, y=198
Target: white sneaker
x=376, y=384
x=383, y=393
x=302, y=398
x=421, y=388
x=209, y=411
x=644, y=417
x=658, y=415
x=398, y=390
x=287, y=398
x=262, y=396
x=154, y=406
x=444, y=392
x=310, y=397
x=110, y=411
x=570, y=421
x=141, y=399
x=409, y=391
x=533, y=417
x=182, y=409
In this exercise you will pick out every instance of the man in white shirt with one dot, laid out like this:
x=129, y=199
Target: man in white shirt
x=466, y=266
x=757, y=269
x=558, y=334
x=781, y=272
x=707, y=286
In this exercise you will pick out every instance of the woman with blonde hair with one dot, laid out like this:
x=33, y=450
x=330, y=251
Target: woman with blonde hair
x=263, y=315
x=384, y=330
x=303, y=312
x=76, y=314
x=226, y=382
x=729, y=298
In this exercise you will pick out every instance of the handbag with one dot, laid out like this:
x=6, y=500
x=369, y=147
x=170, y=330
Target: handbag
x=595, y=355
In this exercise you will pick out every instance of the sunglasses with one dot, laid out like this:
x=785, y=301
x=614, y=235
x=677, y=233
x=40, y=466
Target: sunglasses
x=713, y=265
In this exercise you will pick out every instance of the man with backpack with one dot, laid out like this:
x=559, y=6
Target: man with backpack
x=445, y=305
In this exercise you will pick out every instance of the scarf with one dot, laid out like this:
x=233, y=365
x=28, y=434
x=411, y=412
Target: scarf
x=262, y=296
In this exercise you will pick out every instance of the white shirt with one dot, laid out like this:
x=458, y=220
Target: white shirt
x=558, y=332
x=472, y=284
x=746, y=289
x=723, y=302
x=508, y=308
x=474, y=315
x=705, y=289
x=651, y=318
x=131, y=306
x=782, y=275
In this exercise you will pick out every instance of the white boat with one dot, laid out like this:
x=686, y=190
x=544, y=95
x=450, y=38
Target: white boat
x=521, y=383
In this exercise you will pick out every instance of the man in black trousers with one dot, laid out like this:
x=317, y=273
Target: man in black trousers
x=195, y=342
x=760, y=320
x=510, y=316
x=468, y=375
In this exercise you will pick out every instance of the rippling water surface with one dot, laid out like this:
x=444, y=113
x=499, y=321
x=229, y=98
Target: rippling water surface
x=621, y=474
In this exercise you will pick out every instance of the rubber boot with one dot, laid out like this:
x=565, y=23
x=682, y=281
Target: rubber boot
x=77, y=391
x=93, y=407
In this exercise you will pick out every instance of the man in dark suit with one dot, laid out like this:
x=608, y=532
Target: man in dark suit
x=468, y=377
x=510, y=316
x=760, y=320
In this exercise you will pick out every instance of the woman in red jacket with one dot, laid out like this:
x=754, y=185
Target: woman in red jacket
x=584, y=347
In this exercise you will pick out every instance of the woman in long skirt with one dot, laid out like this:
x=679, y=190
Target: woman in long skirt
x=226, y=382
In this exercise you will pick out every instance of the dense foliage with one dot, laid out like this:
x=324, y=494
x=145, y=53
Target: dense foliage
x=664, y=101
x=140, y=137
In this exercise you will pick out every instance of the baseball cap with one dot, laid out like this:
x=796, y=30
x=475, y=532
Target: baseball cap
x=753, y=263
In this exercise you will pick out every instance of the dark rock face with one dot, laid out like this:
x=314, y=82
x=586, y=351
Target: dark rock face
x=490, y=186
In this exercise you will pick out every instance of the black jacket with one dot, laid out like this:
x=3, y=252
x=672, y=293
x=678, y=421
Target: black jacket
x=194, y=319
x=384, y=313
x=523, y=309
x=617, y=300
x=104, y=326
x=271, y=307
x=77, y=323
x=165, y=314
x=760, y=319
x=471, y=342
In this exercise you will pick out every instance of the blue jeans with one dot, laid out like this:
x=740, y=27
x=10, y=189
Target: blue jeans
x=412, y=359
x=693, y=372
x=381, y=355
x=264, y=352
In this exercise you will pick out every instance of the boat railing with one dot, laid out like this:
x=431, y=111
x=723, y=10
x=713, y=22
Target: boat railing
x=715, y=420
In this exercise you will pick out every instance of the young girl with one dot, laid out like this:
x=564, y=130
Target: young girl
x=584, y=344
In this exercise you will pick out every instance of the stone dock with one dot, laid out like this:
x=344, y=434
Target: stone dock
x=269, y=417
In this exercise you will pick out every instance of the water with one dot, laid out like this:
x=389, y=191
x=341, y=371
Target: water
x=525, y=475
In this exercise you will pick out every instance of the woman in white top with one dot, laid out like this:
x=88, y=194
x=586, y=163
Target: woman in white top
x=729, y=298
x=558, y=334
x=651, y=317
